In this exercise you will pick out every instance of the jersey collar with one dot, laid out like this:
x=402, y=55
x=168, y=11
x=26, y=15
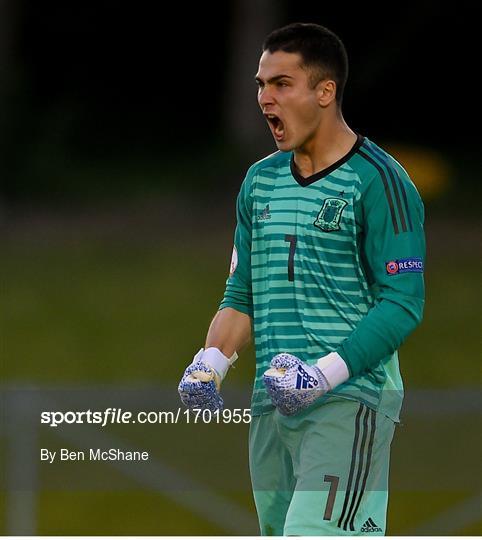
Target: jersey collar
x=302, y=181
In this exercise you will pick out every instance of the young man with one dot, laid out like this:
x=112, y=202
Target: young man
x=328, y=267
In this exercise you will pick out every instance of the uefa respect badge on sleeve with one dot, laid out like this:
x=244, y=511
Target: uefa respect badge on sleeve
x=403, y=266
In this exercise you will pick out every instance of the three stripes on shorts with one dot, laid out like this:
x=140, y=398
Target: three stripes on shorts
x=360, y=465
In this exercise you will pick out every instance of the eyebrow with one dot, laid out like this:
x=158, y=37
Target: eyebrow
x=273, y=79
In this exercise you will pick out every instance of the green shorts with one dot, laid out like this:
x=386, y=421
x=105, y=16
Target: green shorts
x=321, y=472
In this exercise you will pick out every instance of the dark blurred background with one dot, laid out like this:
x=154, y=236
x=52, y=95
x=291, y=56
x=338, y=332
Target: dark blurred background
x=109, y=99
x=125, y=132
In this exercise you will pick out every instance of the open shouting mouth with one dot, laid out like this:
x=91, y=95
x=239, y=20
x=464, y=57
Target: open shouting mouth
x=276, y=125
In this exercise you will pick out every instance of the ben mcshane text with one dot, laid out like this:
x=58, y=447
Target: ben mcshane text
x=92, y=454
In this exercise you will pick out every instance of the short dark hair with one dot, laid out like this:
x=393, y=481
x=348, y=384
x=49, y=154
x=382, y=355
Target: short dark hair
x=321, y=50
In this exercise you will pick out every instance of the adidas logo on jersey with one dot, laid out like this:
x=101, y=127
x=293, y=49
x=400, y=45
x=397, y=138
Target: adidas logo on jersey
x=264, y=214
x=304, y=380
x=370, y=526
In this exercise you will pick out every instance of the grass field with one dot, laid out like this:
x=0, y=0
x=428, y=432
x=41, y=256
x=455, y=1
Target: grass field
x=88, y=310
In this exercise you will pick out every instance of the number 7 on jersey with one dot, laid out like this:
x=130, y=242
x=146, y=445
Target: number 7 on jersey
x=291, y=238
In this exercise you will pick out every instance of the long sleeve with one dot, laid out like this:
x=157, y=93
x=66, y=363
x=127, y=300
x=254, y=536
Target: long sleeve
x=238, y=292
x=392, y=249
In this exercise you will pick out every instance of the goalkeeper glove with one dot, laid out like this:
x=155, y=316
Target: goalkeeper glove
x=293, y=385
x=201, y=382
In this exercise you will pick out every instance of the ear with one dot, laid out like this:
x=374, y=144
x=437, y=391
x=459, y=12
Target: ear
x=326, y=91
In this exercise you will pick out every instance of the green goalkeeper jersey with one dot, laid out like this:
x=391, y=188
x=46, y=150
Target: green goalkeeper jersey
x=332, y=262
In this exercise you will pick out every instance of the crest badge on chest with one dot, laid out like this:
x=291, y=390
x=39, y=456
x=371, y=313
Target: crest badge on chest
x=329, y=216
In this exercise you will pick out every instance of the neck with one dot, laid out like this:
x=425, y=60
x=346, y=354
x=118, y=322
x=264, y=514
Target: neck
x=333, y=140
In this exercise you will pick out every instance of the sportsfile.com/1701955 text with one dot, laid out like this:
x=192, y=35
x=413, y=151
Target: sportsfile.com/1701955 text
x=113, y=415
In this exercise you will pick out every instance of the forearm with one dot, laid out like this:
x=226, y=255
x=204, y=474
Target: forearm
x=200, y=385
x=230, y=331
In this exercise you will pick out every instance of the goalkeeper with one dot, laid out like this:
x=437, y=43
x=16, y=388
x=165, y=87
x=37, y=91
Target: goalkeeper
x=327, y=276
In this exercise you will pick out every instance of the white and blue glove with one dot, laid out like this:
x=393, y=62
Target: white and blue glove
x=293, y=385
x=201, y=382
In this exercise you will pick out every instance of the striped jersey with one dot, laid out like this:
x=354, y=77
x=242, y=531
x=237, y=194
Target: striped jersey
x=332, y=262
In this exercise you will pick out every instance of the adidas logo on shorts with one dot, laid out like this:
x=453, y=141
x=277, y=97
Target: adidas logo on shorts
x=370, y=526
